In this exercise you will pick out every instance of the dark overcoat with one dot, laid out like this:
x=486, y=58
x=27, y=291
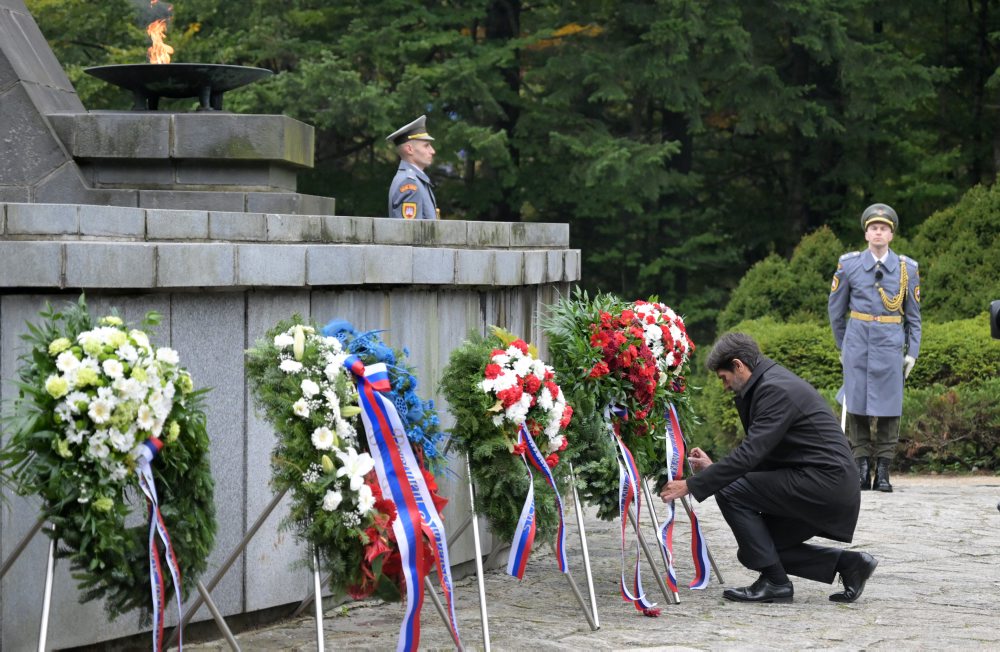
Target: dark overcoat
x=794, y=451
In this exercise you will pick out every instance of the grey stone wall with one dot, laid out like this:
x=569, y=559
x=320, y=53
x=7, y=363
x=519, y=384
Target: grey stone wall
x=220, y=280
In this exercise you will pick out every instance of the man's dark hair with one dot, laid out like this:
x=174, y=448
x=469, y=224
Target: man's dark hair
x=733, y=346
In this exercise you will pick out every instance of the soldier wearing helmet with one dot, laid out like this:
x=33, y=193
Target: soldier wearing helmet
x=874, y=309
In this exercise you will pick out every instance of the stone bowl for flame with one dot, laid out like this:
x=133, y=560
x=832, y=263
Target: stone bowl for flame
x=151, y=81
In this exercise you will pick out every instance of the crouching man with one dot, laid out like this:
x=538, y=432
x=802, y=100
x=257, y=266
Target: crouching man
x=790, y=479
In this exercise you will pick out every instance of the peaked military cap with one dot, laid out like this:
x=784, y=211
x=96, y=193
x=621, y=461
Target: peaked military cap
x=416, y=130
x=879, y=213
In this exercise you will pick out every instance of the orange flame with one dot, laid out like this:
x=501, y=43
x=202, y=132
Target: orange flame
x=158, y=52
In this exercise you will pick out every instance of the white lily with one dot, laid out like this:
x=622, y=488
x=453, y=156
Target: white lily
x=355, y=467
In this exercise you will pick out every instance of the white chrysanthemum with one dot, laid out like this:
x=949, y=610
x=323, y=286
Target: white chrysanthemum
x=168, y=355
x=75, y=437
x=113, y=368
x=366, y=500
x=67, y=362
x=92, y=363
x=74, y=399
x=157, y=427
x=522, y=366
x=65, y=411
x=309, y=388
x=505, y=380
x=322, y=438
x=539, y=368
x=122, y=442
x=501, y=358
x=130, y=389
x=97, y=447
x=128, y=353
x=100, y=410
x=332, y=500
x=346, y=431
x=283, y=341
x=290, y=366
x=301, y=408
x=355, y=467
x=555, y=443
x=545, y=400
x=140, y=338
x=498, y=420
x=145, y=417
x=117, y=472
x=487, y=385
x=515, y=353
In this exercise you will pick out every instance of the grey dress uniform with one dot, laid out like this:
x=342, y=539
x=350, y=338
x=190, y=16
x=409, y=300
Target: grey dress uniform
x=411, y=195
x=872, y=337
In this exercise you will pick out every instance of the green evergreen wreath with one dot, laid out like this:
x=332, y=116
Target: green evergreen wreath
x=499, y=475
x=88, y=396
x=601, y=350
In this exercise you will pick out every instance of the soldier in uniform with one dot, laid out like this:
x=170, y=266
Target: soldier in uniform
x=411, y=195
x=874, y=310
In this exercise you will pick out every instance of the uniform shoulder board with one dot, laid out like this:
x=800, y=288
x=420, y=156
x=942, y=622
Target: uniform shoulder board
x=850, y=254
x=908, y=260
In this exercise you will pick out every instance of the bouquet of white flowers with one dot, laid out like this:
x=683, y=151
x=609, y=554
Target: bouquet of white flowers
x=92, y=398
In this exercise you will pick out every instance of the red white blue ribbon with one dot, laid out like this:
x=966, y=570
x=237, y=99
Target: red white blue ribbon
x=146, y=453
x=524, y=534
x=675, y=452
x=628, y=483
x=400, y=476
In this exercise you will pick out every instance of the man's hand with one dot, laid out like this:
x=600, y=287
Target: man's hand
x=674, y=489
x=699, y=459
x=908, y=362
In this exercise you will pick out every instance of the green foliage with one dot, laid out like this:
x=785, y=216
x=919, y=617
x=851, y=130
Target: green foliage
x=958, y=249
x=951, y=428
x=500, y=477
x=82, y=466
x=957, y=354
x=795, y=290
x=683, y=141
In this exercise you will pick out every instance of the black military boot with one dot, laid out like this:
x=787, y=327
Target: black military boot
x=882, y=475
x=865, y=472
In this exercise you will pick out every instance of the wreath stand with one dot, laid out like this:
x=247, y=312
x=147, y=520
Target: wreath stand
x=50, y=565
x=589, y=614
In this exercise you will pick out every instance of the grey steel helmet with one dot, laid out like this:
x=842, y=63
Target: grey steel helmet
x=879, y=213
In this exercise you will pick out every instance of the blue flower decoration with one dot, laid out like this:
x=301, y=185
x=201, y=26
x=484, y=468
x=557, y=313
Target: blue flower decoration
x=423, y=427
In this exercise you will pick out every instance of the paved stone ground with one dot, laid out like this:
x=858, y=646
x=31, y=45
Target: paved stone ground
x=936, y=587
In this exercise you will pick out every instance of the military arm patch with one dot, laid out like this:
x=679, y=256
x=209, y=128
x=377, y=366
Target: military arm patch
x=835, y=284
x=409, y=210
x=407, y=187
x=916, y=293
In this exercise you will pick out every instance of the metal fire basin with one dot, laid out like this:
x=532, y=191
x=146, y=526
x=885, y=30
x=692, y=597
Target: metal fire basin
x=151, y=81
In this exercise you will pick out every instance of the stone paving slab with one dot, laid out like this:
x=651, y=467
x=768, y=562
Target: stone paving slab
x=936, y=587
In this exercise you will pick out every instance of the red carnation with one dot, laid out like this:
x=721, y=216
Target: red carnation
x=521, y=346
x=492, y=370
x=599, y=369
x=519, y=449
x=566, y=416
x=552, y=460
x=495, y=352
x=532, y=383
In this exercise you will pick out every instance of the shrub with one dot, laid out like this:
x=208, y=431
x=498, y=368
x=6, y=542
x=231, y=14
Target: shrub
x=954, y=379
x=794, y=290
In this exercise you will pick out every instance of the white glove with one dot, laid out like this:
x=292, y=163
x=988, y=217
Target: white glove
x=908, y=362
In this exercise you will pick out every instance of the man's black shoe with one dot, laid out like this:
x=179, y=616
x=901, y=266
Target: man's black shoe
x=854, y=573
x=761, y=591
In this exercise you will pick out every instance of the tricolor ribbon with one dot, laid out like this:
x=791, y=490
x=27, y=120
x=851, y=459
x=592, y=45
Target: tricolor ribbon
x=146, y=453
x=400, y=476
x=675, y=452
x=524, y=534
x=628, y=483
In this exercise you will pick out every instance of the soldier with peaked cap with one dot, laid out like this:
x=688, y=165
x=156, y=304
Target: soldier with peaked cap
x=411, y=195
x=874, y=309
